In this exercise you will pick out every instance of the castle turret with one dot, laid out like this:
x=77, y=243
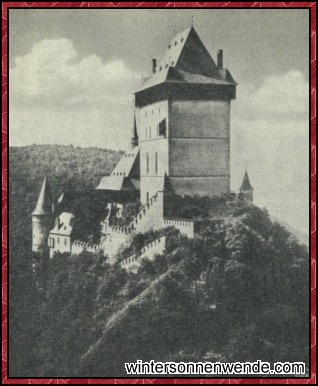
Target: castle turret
x=246, y=189
x=42, y=218
x=134, y=135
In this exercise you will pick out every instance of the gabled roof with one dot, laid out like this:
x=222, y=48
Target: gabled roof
x=246, y=185
x=185, y=55
x=64, y=224
x=45, y=200
x=127, y=167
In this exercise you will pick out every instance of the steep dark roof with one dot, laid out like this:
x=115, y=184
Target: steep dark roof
x=127, y=167
x=246, y=185
x=45, y=200
x=187, y=60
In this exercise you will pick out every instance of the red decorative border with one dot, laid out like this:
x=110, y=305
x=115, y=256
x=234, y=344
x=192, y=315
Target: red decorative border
x=308, y=5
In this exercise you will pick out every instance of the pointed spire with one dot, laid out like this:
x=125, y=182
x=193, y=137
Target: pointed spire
x=246, y=185
x=134, y=136
x=45, y=200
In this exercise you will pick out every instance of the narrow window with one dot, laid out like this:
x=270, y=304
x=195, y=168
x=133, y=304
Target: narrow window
x=156, y=163
x=149, y=132
x=147, y=196
x=65, y=242
x=53, y=242
x=58, y=240
x=147, y=162
x=163, y=128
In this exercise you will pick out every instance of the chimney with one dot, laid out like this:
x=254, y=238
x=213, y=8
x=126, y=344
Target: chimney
x=220, y=58
x=154, y=65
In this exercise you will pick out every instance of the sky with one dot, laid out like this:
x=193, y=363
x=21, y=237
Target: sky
x=72, y=74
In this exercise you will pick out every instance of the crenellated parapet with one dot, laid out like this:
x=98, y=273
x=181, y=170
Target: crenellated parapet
x=79, y=246
x=156, y=247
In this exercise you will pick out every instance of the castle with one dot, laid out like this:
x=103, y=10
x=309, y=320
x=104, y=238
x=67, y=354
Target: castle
x=180, y=143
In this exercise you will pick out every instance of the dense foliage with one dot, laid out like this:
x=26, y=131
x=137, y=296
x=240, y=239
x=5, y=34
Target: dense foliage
x=189, y=207
x=237, y=292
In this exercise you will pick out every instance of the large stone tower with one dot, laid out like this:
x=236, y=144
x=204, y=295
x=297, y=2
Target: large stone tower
x=183, y=112
x=42, y=218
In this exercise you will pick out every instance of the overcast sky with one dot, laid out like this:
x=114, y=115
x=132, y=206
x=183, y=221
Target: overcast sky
x=73, y=73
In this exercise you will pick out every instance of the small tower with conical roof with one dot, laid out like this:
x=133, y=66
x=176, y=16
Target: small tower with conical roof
x=246, y=189
x=134, y=135
x=42, y=218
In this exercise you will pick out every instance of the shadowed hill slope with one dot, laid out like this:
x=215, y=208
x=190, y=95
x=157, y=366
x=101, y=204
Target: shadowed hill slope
x=237, y=292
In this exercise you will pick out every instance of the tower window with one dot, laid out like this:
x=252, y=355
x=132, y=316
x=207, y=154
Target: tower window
x=146, y=132
x=147, y=162
x=163, y=128
x=149, y=132
x=156, y=163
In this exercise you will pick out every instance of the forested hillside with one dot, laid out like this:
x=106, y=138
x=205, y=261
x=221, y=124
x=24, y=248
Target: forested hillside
x=68, y=168
x=237, y=292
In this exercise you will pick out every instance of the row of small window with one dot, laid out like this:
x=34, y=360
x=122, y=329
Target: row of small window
x=152, y=112
x=175, y=43
x=165, y=66
x=52, y=241
x=161, y=130
x=148, y=163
